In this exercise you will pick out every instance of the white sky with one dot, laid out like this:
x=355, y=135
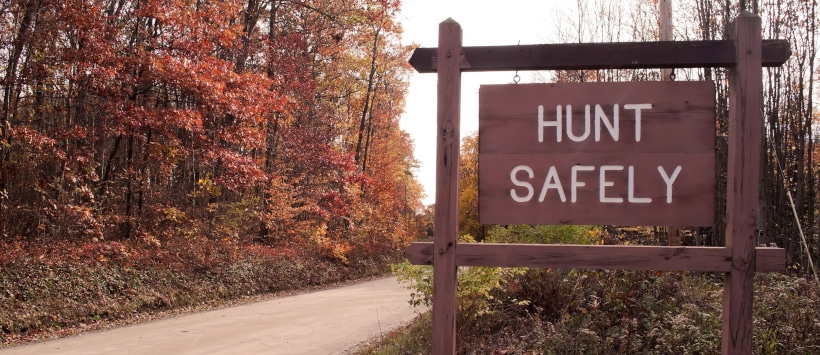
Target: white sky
x=483, y=22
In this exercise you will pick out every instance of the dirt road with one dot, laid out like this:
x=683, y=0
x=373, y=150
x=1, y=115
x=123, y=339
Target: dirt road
x=325, y=322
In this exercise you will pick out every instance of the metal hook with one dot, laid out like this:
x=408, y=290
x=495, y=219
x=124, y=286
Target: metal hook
x=517, y=78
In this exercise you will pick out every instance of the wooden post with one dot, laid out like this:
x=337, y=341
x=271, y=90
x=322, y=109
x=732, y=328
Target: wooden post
x=447, y=154
x=742, y=194
x=745, y=55
x=665, y=21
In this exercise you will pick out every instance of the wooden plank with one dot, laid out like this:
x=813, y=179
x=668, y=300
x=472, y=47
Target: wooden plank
x=609, y=257
x=509, y=195
x=446, y=219
x=681, y=118
x=745, y=91
x=522, y=127
x=587, y=56
x=673, y=237
x=530, y=129
x=770, y=259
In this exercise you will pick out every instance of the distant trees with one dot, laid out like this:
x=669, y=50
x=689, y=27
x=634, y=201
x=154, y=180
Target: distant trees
x=791, y=131
x=275, y=120
x=468, y=189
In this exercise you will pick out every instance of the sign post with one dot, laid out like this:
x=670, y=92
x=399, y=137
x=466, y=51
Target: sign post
x=745, y=91
x=446, y=221
x=579, y=155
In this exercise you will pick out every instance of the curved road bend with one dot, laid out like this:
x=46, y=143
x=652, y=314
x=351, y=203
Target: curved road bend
x=331, y=321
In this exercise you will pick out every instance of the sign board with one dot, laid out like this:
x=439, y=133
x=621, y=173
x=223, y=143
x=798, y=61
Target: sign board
x=657, y=128
x=635, y=153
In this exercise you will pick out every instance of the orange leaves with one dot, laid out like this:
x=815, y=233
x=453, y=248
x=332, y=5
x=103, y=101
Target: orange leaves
x=195, y=106
x=237, y=170
x=142, y=118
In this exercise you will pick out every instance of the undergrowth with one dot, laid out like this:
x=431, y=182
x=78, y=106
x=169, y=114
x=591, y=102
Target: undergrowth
x=624, y=312
x=49, y=287
x=545, y=311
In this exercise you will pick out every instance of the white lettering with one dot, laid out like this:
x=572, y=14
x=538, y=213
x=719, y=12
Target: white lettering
x=520, y=183
x=604, y=183
x=524, y=189
x=571, y=134
x=574, y=183
x=542, y=124
x=631, y=189
x=669, y=181
x=611, y=126
x=637, y=108
x=552, y=182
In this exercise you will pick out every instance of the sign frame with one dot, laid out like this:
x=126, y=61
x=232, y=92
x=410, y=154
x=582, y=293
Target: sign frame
x=745, y=55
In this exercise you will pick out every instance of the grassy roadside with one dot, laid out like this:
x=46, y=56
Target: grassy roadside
x=619, y=312
x=547, y=311
x=55, y=289
x=411, y=339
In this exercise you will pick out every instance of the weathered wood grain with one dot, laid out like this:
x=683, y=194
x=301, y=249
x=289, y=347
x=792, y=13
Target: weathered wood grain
x=675, y=128
x=607, y=257
x=583, y=56
x=681, y=120
x=742, y=204
x=446, y=219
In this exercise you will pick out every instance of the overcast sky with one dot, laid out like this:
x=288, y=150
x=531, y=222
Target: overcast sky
x=483, y=22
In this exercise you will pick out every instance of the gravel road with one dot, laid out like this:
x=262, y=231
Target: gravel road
x=331, y=321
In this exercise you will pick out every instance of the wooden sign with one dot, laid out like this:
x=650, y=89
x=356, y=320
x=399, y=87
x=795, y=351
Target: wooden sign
x=636, y=153
x=589, y=161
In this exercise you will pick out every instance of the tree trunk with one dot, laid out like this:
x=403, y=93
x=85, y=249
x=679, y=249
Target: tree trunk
x=366, y=108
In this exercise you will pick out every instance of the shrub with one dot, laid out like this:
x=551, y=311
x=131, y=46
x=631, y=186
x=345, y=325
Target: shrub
x=542, y=234
x=514, y=311
x=473, y=291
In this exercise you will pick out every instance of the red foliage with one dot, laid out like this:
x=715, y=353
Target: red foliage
x=155, y=120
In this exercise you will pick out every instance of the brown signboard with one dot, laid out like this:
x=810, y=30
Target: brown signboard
x=637, y=134
x=636, y=153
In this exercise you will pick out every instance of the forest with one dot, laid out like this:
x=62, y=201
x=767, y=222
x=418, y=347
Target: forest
x=161, y=155
x=560, y=311
x=156, y=154
x=124, y=118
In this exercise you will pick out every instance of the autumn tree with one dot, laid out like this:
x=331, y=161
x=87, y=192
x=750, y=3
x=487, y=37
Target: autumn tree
x=468, y=222
x=233, y=119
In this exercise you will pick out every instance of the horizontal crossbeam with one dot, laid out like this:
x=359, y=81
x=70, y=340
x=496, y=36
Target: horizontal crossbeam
x=587, y=56
x=610, y=257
